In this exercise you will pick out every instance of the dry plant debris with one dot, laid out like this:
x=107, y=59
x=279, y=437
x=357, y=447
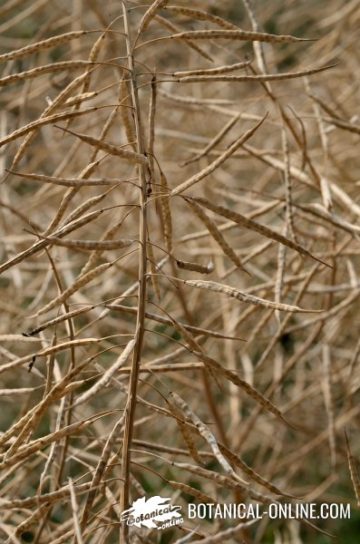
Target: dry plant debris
x=179, y=260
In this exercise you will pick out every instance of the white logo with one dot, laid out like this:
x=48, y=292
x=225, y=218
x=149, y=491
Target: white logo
x=154, y=513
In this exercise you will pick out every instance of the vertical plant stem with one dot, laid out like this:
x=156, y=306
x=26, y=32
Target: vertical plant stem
x=139, y=332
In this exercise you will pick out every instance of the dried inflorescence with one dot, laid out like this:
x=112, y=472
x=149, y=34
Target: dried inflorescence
x=175, y=180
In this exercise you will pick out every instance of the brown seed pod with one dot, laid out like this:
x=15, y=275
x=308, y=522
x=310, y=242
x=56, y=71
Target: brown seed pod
x=55, y=41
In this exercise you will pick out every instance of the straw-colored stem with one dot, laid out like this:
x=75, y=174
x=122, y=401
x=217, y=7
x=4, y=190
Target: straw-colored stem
x=140, y=319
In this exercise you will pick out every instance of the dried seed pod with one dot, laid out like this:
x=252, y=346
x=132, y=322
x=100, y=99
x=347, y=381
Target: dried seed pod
x=88, y=245
x=191, y=100
x=257, y=227
x=79, y=282
x=165, y=209
x=58, y=391
x=101, y=467
x=93, y=56
x=245, y=297
x=238, y=34
x=44, y=121
x=216, y=234
x=189, y=490
x=154, y=274
x=38, y=246
x=220, y=479
x=61, y=98
x=126, y=112
x=56, y=320
x=45, y=498
x=213, y=71
x=195, y=267
x=161, y=319
x=55, y=41
x=186, y=431
x=46, y=69
x=204, y=432
x=168, y=24
x=130, y=156
x=40, y=443
x=150, y=14
x=261, y=77
x=85, y=206
x=236, y=460
x=201, y=15
x=106, y=377
x=215, y=140
x=80, y=98
x=217, y=162
x=48, y=351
